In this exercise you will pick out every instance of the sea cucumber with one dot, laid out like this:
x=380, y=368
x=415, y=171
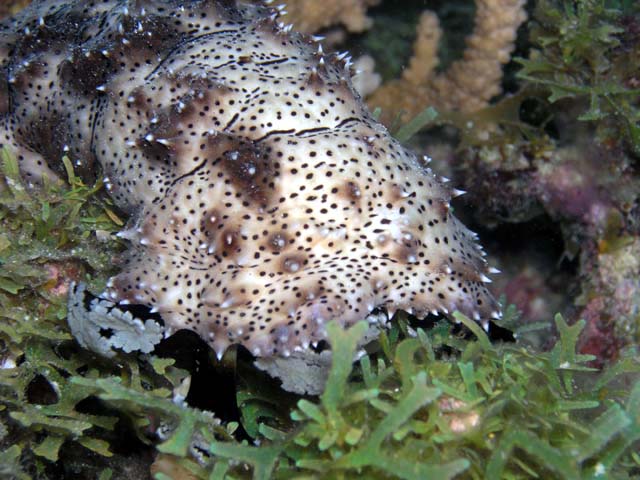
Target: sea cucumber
x=264, y=198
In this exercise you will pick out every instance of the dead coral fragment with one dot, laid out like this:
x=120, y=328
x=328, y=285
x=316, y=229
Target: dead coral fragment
x=470, y=82
x=312, y=15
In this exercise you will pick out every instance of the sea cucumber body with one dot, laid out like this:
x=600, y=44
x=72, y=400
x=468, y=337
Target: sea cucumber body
x=265, y=199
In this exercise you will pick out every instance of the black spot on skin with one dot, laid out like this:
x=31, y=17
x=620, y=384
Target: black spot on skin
x=210, y=222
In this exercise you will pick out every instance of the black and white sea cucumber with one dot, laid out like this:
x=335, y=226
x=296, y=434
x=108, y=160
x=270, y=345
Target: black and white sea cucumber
x=265, y=200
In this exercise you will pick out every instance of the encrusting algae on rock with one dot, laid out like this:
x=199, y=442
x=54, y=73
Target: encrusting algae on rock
x=265, y=199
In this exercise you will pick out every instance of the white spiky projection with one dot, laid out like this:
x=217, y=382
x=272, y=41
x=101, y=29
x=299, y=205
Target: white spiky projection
x=265, y=199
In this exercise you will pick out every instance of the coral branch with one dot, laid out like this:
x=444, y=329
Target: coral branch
x=312, y=15
x=10, y=7
x=470, y=82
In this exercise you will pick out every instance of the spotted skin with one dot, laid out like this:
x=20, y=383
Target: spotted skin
x=265, y=198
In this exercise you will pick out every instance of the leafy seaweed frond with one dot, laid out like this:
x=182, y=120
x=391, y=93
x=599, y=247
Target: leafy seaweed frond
x=409, y=411
x=422, y=404
x=588, y=51
x=49, y=235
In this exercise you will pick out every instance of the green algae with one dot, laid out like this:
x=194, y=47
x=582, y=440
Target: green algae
x=425, y=403
x=529, y=413
x=587, y=52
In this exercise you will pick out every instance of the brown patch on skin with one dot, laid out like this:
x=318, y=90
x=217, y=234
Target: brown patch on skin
x=378, y=285
x=442, y=208
x=318, y=291
x=342, y=89
x=407, y=248
x=268, y=25
x=144, y=37
x=229, y=243
x=315, y=81
x=396, y=193
x=277, y=242
x=47, y=136
x=382, y=238
x=123, y=285
x=251, y=171
x=209, y=222
x=23, y=75
x=352, y=192
x=57, y=32
x=85, y=74
x=150, y=233
x=407, y=251
x=465, y=272
x=158, y=152
x=160, y=143
x=139, y=100
x=293, y=263
x=226, y=9
x=4, y=93
x=205, y=91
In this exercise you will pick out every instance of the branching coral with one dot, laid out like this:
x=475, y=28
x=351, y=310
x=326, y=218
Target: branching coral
x=10, y=7
x=470, y=82
x=313, y=15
